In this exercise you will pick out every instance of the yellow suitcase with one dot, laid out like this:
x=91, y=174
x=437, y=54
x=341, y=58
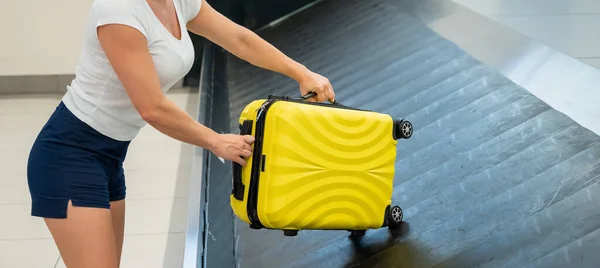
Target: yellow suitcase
x=317, y=166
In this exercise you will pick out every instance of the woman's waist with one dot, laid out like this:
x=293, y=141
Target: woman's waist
x=65, y=130
x=116, y=119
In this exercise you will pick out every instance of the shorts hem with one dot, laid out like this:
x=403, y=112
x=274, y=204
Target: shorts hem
x=88, y=204
x=117, y=198
x=57, y=208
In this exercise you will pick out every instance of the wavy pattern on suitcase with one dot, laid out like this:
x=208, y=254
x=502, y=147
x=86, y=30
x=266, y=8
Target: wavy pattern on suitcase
x=298, y=192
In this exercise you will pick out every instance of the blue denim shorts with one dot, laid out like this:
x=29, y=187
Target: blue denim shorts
x=69, y=160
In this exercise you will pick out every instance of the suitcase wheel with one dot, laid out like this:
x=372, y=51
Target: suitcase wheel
x=290, y=232
x=395, y=217
x=357, y=233
x=403, y=129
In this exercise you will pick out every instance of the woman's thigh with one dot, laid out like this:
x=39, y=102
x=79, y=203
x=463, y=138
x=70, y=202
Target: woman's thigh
x=85, y=238
x=117, y=209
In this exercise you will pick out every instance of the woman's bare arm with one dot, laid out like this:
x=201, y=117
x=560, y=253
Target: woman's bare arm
x=127, y=51
x=248, y=46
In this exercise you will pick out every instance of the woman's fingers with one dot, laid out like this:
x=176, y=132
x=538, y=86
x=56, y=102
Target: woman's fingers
x=239, y=156
x=247, y=147
x=244, y=149
x=234, y=148
x=248, y=139
x=313, y=98
x=246, y=153
x=331, y=95
x=247, y=142
x=322, y=94
x=240, y=161
x=319, y=95
x=318, y=84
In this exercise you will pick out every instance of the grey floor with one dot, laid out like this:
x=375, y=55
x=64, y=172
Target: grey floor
x=157, y=170
x=493, y=177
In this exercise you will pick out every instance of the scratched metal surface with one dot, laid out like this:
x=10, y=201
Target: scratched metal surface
x=493, y=177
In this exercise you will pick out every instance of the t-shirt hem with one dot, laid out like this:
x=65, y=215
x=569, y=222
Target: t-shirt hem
x=69, y=103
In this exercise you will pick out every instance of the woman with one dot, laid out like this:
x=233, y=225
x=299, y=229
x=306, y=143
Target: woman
x=134, y=50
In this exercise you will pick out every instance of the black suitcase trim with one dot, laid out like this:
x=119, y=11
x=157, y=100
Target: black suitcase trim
x=238, y=185
x=256, y=165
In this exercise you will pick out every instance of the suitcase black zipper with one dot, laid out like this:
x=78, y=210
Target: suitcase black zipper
x=257, y=154
x=255, y=173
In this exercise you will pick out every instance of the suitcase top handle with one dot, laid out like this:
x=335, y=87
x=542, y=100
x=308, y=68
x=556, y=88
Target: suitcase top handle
x=334, y=102
x=312, y=94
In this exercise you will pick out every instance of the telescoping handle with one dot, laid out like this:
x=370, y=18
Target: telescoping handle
x=238, y=185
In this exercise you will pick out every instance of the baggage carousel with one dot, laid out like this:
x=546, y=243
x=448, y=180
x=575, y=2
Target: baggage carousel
x=500, y=171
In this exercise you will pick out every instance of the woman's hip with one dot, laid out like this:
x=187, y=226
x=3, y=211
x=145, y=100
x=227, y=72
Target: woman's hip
x=71, y=161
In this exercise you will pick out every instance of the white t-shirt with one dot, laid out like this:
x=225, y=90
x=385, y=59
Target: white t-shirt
x=96, y=95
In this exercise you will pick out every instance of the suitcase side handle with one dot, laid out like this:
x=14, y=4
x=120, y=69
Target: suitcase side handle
x=238, y=186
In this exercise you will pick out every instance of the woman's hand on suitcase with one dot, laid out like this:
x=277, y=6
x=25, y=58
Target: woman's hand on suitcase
x=313, y=82
x=234, y=147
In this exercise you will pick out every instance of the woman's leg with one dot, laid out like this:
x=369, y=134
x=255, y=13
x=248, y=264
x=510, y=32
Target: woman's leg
x=117, y=192
x=85, y=238
x=71, y=163
x=117, y=209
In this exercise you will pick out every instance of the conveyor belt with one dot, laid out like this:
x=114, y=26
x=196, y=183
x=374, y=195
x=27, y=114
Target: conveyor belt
x=491, y=177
